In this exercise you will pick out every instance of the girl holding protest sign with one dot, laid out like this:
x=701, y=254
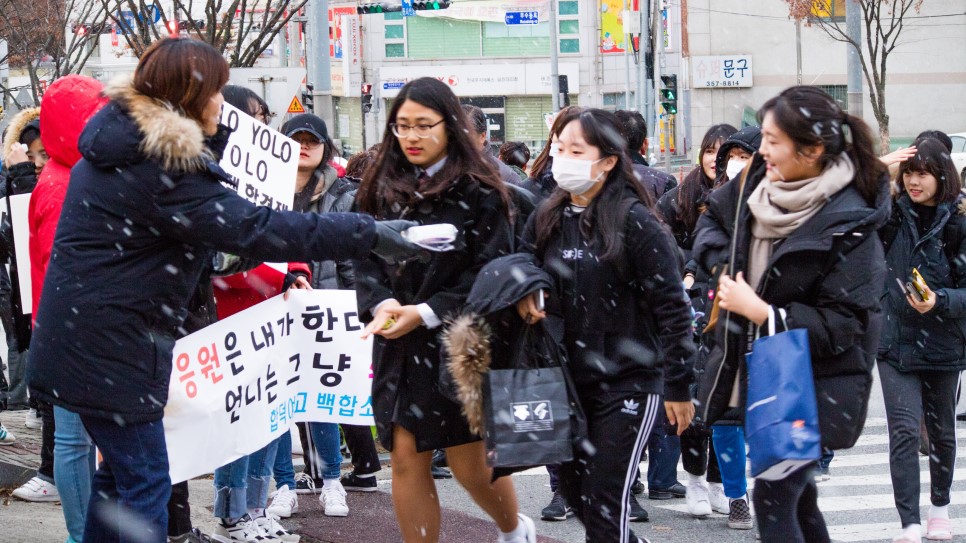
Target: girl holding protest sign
x=429, y=171
x=143, y=213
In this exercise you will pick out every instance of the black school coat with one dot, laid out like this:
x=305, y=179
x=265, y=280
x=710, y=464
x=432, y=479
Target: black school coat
x=405, y=384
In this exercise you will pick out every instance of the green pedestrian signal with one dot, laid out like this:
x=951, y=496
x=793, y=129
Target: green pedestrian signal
x=669, y=94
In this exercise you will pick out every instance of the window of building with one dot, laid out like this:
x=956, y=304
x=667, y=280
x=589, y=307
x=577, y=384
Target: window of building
x=568, y=26
x=839, y=92
x=395, y=34
x=567, y=7
x=829, y=9
x=614, y=101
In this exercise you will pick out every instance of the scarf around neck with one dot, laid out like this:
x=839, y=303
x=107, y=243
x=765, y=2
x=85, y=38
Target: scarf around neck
x=779, y=208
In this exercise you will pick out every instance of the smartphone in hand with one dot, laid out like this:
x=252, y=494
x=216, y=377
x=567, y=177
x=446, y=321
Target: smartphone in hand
x=919, y=284
x=541, y=301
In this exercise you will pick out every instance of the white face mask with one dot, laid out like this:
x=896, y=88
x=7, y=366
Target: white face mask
x=573, y=175
x=734, y=167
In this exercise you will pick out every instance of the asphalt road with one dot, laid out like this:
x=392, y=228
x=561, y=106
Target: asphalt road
x=857, y=503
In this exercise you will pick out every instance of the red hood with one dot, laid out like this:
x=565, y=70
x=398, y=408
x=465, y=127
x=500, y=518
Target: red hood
x=67, y=105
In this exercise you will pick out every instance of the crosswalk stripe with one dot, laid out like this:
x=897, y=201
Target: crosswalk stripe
x=849, y=533
x=849, y=503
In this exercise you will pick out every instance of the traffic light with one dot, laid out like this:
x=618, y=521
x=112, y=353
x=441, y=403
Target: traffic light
x=308, y=101
x=377, y=7
x=366, y=97
x=421, y=5
x=669, y=94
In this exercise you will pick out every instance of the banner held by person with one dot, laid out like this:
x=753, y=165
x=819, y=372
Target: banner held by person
x=20, y=225
x=240, y=383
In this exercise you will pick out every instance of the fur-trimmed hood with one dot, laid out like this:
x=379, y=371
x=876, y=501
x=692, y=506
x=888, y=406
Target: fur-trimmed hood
x=134, y=127
x=16, y=127
x=466, y=340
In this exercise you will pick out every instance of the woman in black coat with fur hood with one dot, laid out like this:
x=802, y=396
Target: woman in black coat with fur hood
x=798, y=234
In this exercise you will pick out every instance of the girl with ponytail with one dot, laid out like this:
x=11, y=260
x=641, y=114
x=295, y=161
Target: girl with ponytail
x=794, y=239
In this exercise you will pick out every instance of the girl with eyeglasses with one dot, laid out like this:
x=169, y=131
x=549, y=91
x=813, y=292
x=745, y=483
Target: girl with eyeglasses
x=429, y=171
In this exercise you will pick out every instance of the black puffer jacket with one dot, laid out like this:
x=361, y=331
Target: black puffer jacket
x=827, y=276
x=627, y=325
x=936, y=340
x=144, y=210
x=339, y=198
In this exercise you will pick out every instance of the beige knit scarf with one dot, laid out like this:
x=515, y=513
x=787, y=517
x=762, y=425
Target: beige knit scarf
x=780, y=207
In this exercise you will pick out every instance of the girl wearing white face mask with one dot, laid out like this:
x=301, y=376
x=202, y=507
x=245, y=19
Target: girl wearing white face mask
x=617, y=284
x=541, y=182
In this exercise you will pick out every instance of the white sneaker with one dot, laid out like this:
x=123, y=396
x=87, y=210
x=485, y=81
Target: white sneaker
x=529, y=535
x=285, y=502
x=245, y=530
x=719, y=502
x=34, y=421
x=698, y=499
x=6, y=438
x=333, y=499
x=37, y=490
x=269, y=525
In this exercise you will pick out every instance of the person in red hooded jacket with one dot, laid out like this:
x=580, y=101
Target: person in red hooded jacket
x=67, y=105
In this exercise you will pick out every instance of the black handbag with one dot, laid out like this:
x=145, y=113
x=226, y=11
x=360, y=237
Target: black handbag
x=533, y=416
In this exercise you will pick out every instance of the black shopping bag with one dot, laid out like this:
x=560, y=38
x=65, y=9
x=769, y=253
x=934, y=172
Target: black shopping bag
x=528, y=422
x=532, y=415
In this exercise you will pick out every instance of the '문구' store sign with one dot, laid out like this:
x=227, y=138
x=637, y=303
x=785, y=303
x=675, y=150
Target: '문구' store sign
x=721, y=72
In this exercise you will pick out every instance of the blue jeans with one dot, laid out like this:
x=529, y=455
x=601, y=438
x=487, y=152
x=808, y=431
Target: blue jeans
x=74, y=466
x=283, y=469
x=260, y=465
x=729, y=446
x=231, y=483
x=664, y=451
x=129, y=495
x=325, y=444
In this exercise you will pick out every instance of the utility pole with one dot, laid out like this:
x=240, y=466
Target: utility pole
x=627, y=56
x=317, y=59
x=853, y=27
x=798, y=48
x=554, y=67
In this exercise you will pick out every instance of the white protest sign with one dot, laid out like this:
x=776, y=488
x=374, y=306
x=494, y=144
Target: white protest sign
x=261, y=159
x=240, y=383
x=19, y=211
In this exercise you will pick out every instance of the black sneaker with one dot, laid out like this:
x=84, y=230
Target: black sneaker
x=353, y=483
x=441, y=472
x=637, y=488
x=740, y=516
x=961, y=417
x=558, y=508
x=439, y=459
x=638, y=514
x=305, y=484
x=676, y=490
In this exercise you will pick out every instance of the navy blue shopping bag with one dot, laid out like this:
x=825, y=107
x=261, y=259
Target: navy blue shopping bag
x=781, y=421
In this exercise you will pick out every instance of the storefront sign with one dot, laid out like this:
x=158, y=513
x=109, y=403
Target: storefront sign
x=719, y=72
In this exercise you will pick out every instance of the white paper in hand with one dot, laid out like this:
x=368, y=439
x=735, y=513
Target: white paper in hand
x=434, y=237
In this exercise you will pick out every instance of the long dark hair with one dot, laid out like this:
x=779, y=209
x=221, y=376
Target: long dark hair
x=542, y=162
x=696, y=185
x=601, y=130
x=811, y=117
x=391, y=181
x=932, y=158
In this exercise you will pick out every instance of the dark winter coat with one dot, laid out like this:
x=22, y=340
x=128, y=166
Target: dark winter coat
x=656, y=182
x=627, y=324
x=339, y=198
x=441, y=280
x=827, y=276
x=143, y=212
x=542, y=185
x=936, y=340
